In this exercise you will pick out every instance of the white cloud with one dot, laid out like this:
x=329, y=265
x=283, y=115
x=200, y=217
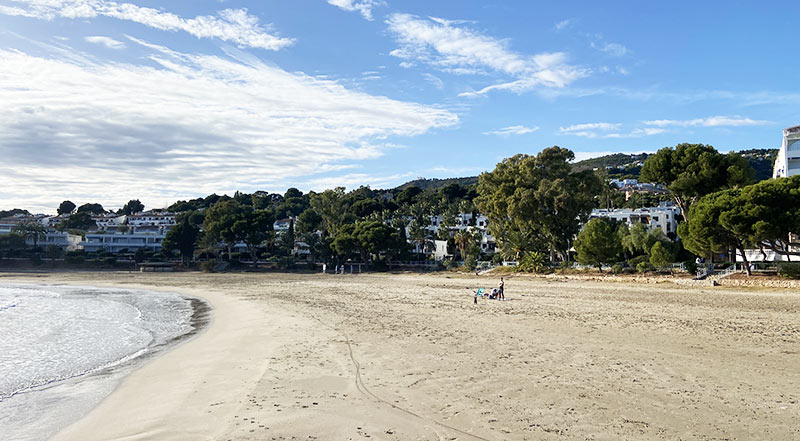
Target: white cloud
x=713, y=121
x=614, y=49
x=590, y=126
x=460, y=50
x=233, y=25
x=105, y=41
x=607, y=130
x=564, y=24
x=181, y=126
x=512, y=130
x=433, y=79
x=364, y=7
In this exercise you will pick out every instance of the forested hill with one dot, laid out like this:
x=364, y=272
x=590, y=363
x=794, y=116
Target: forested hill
x=616, y=166
x=625, y=166
x=425, y=184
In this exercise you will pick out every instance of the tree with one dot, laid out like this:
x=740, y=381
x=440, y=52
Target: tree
x=539, y=197
x=183, y=238
x=660, y=255
x=66, y=207
x=30, y=231
x=91, y=209
x=598, y=243
x=133, y=206
x=78, y=221
x=251, y=228
x=331, y=207
x=706, y=233
x=420, y=235
x=467, y=241
x=309, y=221
x=12, y=242
x=220, y=218
x=691, y=171
x=408, y=196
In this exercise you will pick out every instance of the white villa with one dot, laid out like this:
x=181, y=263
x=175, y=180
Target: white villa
x=116, y=242
x=661, y=217
x=788, y=161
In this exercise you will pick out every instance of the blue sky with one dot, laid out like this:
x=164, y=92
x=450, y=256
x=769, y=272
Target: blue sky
x=105, y=101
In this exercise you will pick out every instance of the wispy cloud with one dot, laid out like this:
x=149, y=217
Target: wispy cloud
x=512, y=130
x=607, y=130
x=188, y=126
x=105, y=41
x=564, y=24
x=364, y=7
x=457, y=49
x=232, y=25
x=614, y=49
x=712, y=121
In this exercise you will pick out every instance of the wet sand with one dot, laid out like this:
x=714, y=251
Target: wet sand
x=410, y=357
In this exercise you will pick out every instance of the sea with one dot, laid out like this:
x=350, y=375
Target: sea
x=65, y=348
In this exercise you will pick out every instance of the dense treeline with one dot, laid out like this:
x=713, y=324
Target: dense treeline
x=537, y=208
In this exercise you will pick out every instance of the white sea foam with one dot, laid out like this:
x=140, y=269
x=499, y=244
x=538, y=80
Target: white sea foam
x=53, y=338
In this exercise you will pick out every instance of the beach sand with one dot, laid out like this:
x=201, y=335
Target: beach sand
x=410, y=357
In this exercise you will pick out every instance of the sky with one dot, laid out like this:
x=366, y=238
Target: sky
x=104, y=101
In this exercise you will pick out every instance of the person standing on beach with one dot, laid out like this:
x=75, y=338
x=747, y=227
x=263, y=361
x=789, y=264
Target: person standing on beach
x=500, y=291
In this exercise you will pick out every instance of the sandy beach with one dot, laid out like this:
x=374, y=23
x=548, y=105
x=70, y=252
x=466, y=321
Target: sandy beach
x=410, y=357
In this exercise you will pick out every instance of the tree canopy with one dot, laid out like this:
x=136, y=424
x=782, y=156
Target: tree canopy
x=598, y=243
x=66, y=207
x=133, y=206
x=91, y=209
x=691, y=171
x=538, y=198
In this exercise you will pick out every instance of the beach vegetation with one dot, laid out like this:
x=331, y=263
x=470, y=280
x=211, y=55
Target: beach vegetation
x=790, y=270
x=598, y=243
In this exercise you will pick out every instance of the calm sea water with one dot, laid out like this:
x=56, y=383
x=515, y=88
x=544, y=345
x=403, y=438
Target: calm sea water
x=63, y=349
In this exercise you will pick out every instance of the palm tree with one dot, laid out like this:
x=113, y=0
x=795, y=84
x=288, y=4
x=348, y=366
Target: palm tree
x=30, y=230
x=463, y=239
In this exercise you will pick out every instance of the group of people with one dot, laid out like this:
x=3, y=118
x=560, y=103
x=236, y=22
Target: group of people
x=496, y=293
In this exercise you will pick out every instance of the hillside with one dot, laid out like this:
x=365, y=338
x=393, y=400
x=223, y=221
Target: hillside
x=434, y=183
x=616, y=166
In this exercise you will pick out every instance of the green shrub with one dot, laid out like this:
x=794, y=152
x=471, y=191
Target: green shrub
x=690, y=266
x=470, y=263
x=74, y=260
x=497, y=258
x=790, y=270
x=36, y=260
x=643, y=267
x=617, y=269
x=635, y=261
x=207, y=266
x=110, y=260
x=533, y=262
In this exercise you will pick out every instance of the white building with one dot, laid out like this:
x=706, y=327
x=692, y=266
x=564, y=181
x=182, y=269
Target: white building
x=113, y=243
x=164, y=220
x=787, y=162
x=62, y=240
x=661, y=217
x=463, y=221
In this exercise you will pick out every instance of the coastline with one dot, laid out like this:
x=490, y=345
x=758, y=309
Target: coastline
x=399, y=357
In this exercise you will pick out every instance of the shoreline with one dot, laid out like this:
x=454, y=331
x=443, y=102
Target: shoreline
x=401, y=357
x=62, y=402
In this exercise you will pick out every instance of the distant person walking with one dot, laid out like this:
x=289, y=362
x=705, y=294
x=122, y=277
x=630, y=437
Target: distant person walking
x=501, y=290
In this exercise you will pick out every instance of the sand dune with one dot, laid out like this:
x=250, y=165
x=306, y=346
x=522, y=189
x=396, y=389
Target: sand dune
x=409, y=357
